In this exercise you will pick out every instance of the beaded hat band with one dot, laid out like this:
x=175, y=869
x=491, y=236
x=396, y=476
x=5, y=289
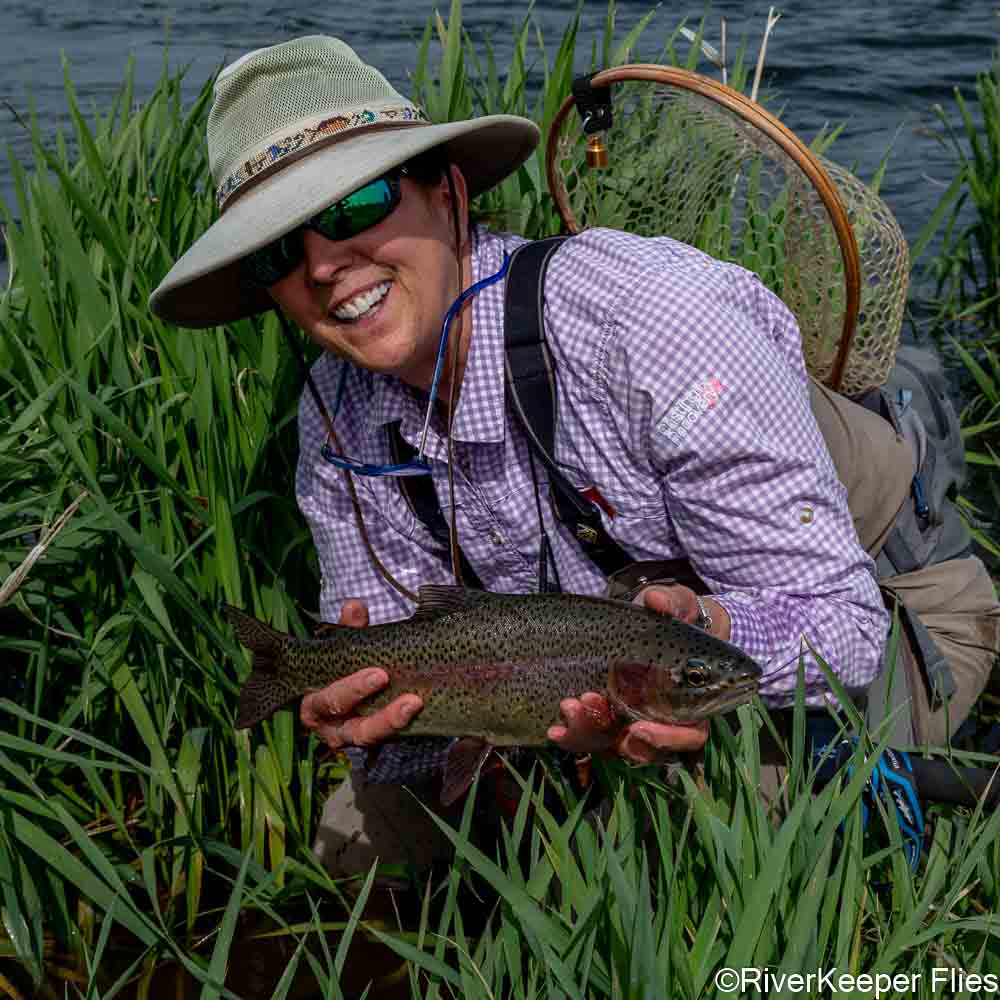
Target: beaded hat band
x=300, y=141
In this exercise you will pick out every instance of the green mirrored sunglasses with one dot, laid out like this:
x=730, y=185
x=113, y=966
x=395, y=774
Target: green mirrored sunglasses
x=359, y=211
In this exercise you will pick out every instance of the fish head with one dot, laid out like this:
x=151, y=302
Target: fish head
x=688, y=690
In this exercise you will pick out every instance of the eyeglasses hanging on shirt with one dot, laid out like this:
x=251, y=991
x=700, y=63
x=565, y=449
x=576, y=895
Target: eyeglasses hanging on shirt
x=418, y=465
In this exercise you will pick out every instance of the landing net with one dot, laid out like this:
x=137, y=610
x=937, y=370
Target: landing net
x=697, y=161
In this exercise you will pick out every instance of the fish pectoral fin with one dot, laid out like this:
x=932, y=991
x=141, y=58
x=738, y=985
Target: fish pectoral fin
x=465, y=759
x=441, y=599
x=624, y=715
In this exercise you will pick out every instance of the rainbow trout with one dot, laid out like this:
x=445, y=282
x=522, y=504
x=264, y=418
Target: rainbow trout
x=494, y=667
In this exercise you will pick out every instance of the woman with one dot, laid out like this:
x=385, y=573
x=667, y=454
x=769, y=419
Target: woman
x=683, y=397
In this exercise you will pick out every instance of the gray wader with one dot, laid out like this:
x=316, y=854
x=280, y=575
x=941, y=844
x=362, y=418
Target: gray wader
x=952, y=603
x=363, y=822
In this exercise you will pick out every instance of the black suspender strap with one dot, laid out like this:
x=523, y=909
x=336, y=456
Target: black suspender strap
x=531, y=392
x=419, y=493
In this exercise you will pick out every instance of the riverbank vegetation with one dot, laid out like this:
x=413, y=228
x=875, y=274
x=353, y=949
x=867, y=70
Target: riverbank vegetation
x=964, y=309
x=146, y=847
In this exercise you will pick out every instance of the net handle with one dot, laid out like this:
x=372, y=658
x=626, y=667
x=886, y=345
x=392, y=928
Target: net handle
x=764, y=121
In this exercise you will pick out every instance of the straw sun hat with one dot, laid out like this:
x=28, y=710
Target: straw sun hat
x=292, y=129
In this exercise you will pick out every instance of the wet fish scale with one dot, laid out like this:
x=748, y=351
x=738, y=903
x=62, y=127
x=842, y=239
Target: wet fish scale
x=497, y=666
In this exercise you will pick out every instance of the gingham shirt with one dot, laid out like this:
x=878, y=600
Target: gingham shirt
x=682, y=395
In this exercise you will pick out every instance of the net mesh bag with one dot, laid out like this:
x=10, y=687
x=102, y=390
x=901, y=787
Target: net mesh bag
x=730, y=180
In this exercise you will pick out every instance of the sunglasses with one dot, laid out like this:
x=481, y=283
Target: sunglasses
x=359, y=211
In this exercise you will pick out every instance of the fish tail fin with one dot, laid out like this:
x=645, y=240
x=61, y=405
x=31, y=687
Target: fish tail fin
x=265, y=690
x=262, y=640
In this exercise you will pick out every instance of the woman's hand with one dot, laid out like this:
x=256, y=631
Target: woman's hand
x=330, y=712
x=677, y=601
x=590, y=724
x=591, y=727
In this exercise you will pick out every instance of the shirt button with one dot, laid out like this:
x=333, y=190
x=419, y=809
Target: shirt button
x=806, y=515
x=495, y=537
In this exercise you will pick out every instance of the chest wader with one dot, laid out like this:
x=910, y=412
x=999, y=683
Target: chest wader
x=900, y=474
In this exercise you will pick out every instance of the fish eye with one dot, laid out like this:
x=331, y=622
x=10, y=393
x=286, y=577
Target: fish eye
x=696, y=672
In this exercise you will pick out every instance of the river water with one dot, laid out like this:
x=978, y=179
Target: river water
x=877, y=68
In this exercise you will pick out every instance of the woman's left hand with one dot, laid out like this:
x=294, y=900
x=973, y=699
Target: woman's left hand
x=590, y=723
x=591, y=727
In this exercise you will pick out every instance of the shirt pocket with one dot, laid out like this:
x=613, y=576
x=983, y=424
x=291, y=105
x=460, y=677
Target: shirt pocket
x=504, y=533
x=382, y=499
x=646, y=533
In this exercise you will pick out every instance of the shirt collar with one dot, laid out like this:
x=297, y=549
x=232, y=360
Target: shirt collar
x=479, y=417
x=480, y=413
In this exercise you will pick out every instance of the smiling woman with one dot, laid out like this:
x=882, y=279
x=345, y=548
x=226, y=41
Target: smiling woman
x=374, y=263
x=274, y=169
x=119, y=753
x=378, y=297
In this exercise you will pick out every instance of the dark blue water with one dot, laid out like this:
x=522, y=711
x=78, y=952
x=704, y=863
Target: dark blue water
x=878, y=69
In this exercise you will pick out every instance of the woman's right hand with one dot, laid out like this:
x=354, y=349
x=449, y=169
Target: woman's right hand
x=330, y=713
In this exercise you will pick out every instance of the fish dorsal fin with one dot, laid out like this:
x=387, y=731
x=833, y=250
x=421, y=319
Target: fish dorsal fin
x=441, y=599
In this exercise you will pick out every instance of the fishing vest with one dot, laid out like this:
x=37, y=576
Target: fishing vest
x=914, y=402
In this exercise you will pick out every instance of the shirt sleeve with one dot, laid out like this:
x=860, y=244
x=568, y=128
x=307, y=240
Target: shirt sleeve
x=705, y=374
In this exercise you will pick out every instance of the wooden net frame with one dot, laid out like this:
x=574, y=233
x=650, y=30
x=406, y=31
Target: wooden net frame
x=696, y=160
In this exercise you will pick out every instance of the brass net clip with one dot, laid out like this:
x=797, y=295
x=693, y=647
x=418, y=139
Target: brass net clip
x=594, y=107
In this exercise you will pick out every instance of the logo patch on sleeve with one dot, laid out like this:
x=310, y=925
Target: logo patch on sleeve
x=699, y=397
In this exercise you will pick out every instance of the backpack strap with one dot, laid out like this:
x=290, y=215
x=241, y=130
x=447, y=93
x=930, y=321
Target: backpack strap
x=531, y=391
x=914, y=401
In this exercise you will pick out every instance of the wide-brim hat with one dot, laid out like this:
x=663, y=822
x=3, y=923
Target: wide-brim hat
x=292, y=129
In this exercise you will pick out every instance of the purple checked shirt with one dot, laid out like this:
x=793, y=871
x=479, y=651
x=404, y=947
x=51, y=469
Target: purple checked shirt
x=682, y=395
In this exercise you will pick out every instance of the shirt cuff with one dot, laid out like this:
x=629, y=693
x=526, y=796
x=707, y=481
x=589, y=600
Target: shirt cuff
x=851, y=644
x=746, y=629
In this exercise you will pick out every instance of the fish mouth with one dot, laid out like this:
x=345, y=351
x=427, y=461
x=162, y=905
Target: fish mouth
x=718, y=702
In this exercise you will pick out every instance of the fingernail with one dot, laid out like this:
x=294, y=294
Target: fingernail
x=373, y=681
x=641, y=736
x=408, y=710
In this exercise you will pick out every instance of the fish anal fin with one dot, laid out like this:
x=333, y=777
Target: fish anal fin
x=465, y=759
x=441, y=599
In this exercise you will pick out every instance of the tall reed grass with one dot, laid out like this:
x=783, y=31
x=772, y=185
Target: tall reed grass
x=965, y=306
x=967, y=267
x=142, y=837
